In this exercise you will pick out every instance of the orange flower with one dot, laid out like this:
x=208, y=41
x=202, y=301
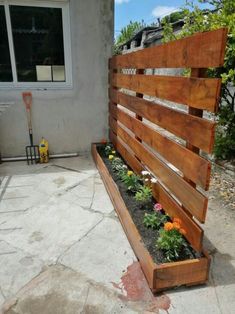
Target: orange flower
x=182, y=231
x=177, y=220
x=176, y=225
x=168, y=226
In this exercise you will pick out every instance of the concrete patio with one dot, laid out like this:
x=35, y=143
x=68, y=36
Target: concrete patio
x=63, y=250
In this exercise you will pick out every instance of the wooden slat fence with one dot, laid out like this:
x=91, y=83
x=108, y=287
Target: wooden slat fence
x=137, y=133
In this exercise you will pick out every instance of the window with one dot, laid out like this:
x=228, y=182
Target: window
x=34, y=43
x=5, y=62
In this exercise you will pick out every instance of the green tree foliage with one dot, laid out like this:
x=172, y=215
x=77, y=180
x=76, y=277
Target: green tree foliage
x=174, y=17
x=126, y=34
x=197, y=20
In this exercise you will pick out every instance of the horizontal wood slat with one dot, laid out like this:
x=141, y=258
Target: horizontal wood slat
x=191, y=165
x=171, y=274
x=197, y=131
x=194, y=233
x=201, y=50
x=201, y=93
x=193, y=200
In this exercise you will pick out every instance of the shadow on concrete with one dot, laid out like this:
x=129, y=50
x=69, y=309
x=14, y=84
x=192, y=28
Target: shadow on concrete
x=222, y=271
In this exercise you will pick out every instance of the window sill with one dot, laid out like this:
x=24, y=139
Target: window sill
x=36, y=86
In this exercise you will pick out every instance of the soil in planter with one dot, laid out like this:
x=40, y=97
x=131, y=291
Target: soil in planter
x=149, y=236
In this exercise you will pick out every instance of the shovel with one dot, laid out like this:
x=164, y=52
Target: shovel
x=32, y=151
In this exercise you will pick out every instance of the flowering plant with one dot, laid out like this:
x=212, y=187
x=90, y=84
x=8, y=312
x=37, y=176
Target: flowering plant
x=147, y=177
x=108, y=150
x=155, y=220
x=171, y=239
x=131, y=180
x=117, y=163
x=157, y=207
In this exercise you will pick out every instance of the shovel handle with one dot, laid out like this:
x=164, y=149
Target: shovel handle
x=28, y=98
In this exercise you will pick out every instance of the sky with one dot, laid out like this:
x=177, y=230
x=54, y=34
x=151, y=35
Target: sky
x=147, y=10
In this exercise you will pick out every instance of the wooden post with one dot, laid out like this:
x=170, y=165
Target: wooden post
x=139, y=95
x=198, y=113
x=111, y=71
x=195, y=112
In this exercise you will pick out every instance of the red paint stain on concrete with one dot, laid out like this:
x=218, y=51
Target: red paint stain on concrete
x=135, y=288
x=160, y=303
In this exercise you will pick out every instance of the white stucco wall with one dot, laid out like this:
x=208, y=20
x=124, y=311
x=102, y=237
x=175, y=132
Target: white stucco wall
x=70, y=119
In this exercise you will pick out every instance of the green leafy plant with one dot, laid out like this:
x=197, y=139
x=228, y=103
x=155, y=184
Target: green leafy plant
x=131, y=181
x=126, y=34
x=171, y=240
x=117, y=163
x=155, y=220
x=108, y=150
x=144, y=195
x=119, y=167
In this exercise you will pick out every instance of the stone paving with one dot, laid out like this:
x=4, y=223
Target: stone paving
x=63, y=250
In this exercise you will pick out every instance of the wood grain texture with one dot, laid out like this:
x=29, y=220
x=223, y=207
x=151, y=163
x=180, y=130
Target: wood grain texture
x=179, y=123
x=201, y=93
x=191, y=165
x=193, y=200
x=202, y=50
x=172, y=274
x=162, y=276
x=194, y=233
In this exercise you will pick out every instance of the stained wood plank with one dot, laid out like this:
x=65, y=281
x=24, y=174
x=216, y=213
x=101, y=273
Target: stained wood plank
x=191, y=165
x=195, y=130
x=193, y=200
x=172, y=274
x=194, y=233
x=201, y=50
x=201, y=93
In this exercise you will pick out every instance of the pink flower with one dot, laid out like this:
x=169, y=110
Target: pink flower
x=157, y=207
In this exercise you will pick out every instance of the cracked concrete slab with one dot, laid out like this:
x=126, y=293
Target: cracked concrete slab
x=101, y=201
x=83, y=164
x=17, y=268
x=103, y=255
x=49, y=229
x=60, y=290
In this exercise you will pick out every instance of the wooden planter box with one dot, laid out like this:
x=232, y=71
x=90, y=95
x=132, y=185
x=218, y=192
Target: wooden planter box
x=159, y=277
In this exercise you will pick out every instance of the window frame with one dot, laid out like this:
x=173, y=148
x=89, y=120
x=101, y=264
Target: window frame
x=62, y=4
